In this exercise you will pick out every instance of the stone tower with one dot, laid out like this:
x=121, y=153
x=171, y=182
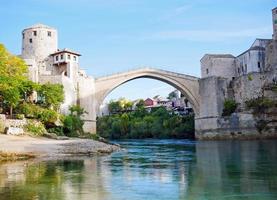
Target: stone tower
x=274, y=17
x=38, y=42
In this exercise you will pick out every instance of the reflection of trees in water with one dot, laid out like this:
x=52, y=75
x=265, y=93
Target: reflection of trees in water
x=234, y=169
x=43, y=180
x=57, y=180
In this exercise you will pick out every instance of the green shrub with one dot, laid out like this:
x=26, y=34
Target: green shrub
x=260, y=104
x=32, y=111
x=230, y=107
x=58, y=130
x=35, y=128
x=73, y=123
x=19, y=116
x=48, y=116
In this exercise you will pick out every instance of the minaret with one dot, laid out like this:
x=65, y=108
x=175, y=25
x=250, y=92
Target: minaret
x=274, y=18
x=38, y=42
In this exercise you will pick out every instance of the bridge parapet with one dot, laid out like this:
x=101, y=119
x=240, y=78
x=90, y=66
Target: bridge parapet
x=145, y=69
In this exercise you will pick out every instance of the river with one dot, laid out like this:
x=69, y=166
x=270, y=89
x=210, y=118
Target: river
x=151, y=169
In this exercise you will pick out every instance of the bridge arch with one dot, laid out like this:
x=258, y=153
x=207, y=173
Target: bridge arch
x=187, y=85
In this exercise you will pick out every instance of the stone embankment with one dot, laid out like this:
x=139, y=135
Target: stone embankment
x=44, y=147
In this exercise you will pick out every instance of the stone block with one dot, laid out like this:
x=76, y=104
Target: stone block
x=14, y=131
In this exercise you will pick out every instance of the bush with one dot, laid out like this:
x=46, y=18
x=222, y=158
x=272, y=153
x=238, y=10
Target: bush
x=58, y=130
x=35, y=128
x=32, y=111
x=260, y=104
x=73, y=123
x=19, y=116
x=48, y=116
x=230, y=107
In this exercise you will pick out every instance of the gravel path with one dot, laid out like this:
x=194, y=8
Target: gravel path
x=44, y=147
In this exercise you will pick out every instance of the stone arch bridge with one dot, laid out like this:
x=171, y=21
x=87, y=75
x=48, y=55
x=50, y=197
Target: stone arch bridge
x=186, y=84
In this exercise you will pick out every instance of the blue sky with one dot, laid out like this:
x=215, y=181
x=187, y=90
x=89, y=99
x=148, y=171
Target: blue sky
x=118, y=35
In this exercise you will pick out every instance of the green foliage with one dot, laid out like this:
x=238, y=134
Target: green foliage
x=33, y=111
x=172, y=95
x=158, y=123
x=114, y=106
x=274, y=87
x=11, y=67
x=260, y=104
x=51, y=95
x=122, y=105
x=19, y=116
x=12, y=75
x=250, y=78
x=58, y=130
x=73, y=123
x=230, y=107
x=140, y=104
x=11, y=97
x=35, y=128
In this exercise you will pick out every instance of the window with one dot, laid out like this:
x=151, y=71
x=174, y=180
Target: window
x=239, y=70
x=61, y=56
x=57, y=58
x=49, y=33
x=245, y=68
x=207, y=71
x=30, y=40
x=75, y=58
x=35, y=33
x=68, y=56
x=259, y=65
x=23, y=35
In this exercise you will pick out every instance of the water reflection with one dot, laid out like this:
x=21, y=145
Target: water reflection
x=151, y=169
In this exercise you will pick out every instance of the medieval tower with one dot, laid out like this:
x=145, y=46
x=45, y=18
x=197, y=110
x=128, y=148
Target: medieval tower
x=274, y=17
x=38, y=42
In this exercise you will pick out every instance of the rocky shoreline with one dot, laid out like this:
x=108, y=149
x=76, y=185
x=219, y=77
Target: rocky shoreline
x=51, y=148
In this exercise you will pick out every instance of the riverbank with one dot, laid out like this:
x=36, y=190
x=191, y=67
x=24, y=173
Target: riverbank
x=44, y=147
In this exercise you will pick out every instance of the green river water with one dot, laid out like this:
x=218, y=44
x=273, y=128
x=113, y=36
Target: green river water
x=151, y=169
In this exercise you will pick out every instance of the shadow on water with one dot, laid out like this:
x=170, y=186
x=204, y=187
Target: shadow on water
x=151, y=169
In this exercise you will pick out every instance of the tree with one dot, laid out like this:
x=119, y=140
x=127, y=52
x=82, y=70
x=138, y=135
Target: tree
x=73, y=123
x=11, y=66
x=11, y=98
x=140, y=104
x=172, y=95
x=114, y=106
x=13, y=72
x=51, y=95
